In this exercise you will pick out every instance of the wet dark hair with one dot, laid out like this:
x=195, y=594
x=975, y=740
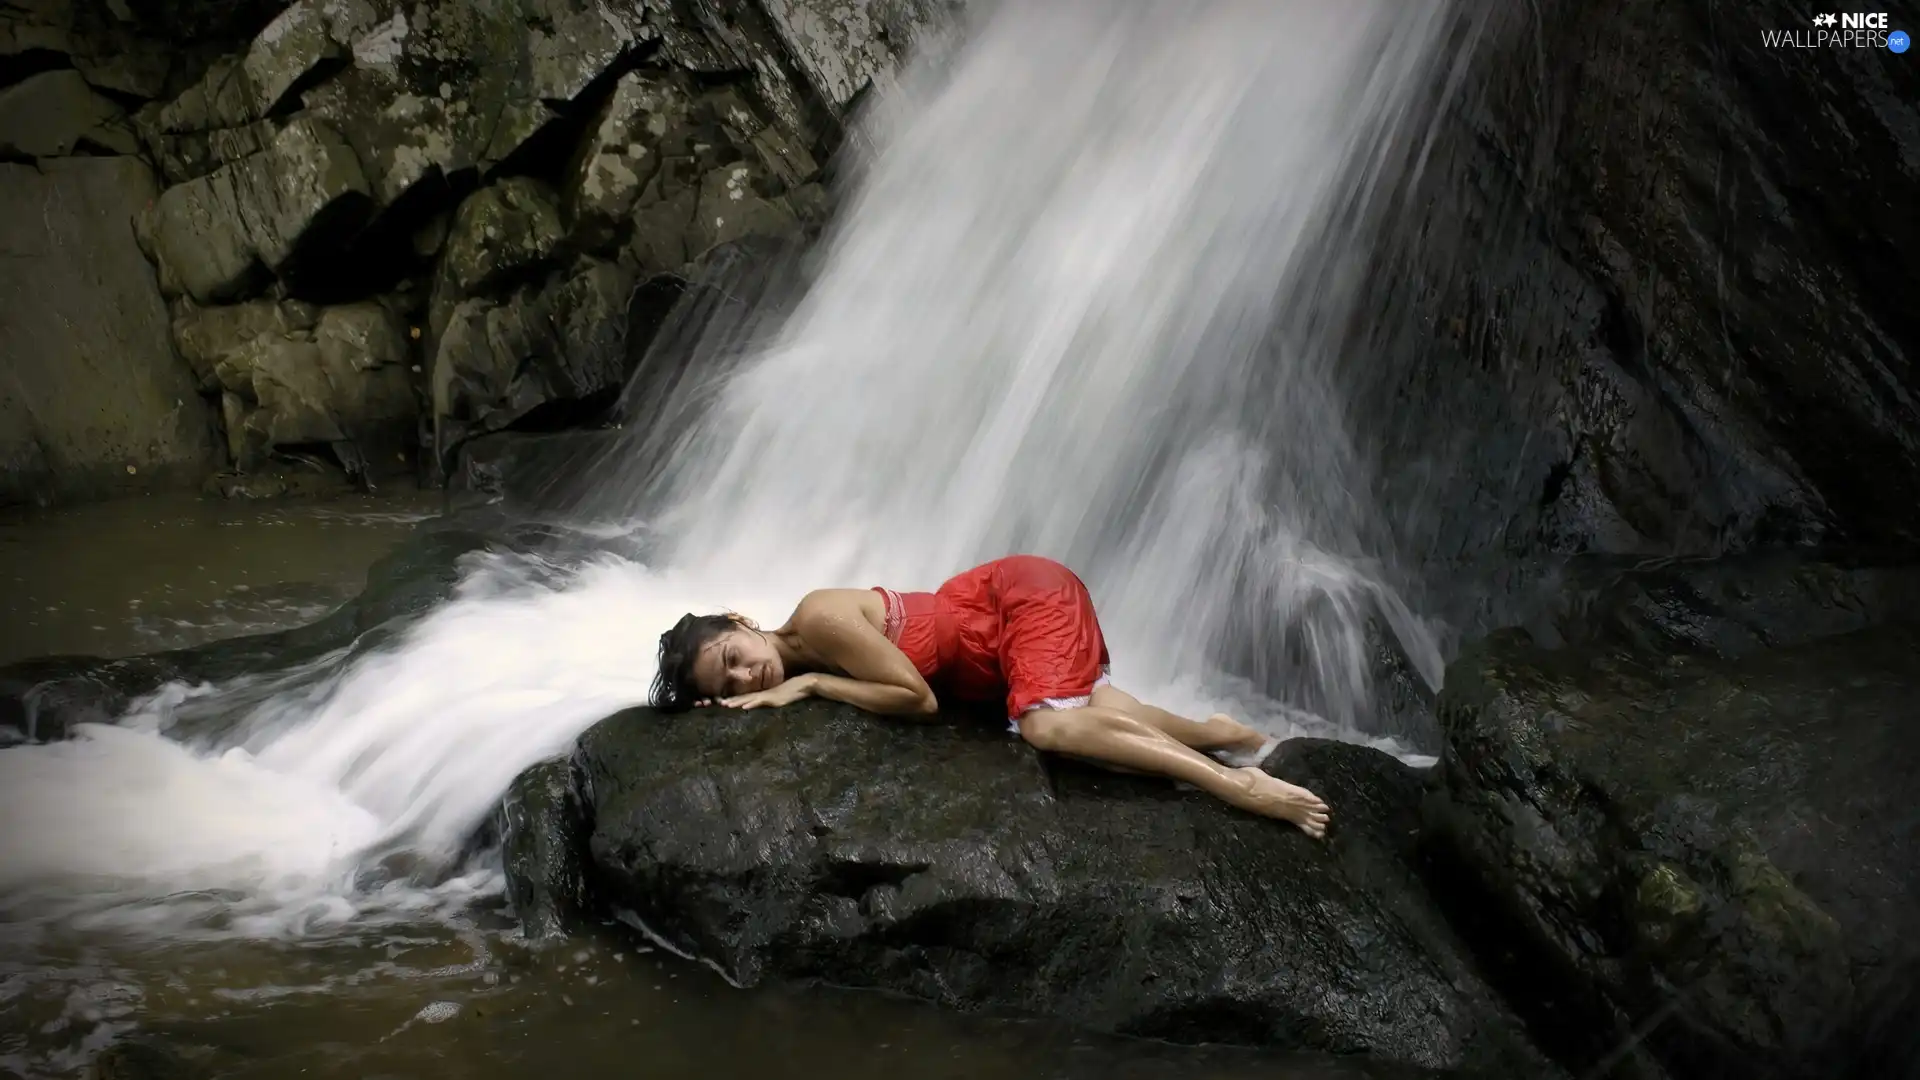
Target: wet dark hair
x=673, y=685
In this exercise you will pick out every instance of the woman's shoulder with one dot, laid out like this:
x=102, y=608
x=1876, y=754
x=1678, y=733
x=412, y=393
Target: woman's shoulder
x=868, y=604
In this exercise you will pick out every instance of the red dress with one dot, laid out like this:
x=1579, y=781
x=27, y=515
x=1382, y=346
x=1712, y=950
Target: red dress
x=1021, y=627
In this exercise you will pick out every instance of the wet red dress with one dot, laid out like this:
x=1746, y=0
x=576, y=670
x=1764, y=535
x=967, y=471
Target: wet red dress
x=1021, y=627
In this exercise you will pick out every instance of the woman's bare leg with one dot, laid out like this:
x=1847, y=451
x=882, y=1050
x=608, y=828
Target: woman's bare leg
x=1109, y=736
x=1216, y=732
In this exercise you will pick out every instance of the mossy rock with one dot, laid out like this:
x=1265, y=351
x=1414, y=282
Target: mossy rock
x=1705, y=843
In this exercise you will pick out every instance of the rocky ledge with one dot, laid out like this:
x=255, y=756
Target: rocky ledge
x=1686, y=835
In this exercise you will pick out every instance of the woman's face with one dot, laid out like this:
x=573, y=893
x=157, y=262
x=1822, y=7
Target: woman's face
x=739, y=661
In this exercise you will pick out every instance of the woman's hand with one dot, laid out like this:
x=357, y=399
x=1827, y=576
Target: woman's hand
x=800, y=686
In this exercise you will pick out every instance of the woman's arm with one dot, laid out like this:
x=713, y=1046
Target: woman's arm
x=879, y=678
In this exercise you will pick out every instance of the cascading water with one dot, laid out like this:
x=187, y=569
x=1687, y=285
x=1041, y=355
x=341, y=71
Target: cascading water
x=1077, y=304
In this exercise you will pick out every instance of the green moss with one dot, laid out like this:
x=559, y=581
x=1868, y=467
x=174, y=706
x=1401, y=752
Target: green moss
x=1776, y=908
x=1665, y=904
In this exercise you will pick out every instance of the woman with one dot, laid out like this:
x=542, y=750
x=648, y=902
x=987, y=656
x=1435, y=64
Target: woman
x=1022, y=628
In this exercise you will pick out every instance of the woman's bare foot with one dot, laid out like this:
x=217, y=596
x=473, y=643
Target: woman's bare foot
x=1275, y=798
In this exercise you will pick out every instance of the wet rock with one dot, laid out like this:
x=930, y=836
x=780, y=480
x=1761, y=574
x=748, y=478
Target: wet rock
x=439, y=88
x=300, y=39
x=839, y=44
x=223, y=98
x=500, y=235
x=732, y=206
x=559, y=341
x=233, y=111
x=1590, y=335
x=213, y=123
x=947, y=860
x=360, y=337
x=305, y=190
x=663, y=223
x=94, y=400
x=346, y=385
x=147, y=1058
x=291, y=374
x=542, y=829
x=56, y=113
x=714, y=36
x=1691, y=836
x=43, y=700
x=621, y=154
x=137, y=48
x=190, y=155
x=1404, y=699
x=308, y=180
x=527, y=471
x=692, y=324
x=1731, y=606
x=206, y=336
x=785, y=158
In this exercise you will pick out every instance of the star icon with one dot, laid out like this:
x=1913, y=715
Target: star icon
x=1824, y=20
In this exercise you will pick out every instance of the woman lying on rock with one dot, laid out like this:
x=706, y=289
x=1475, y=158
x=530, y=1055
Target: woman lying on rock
x=1021, y=627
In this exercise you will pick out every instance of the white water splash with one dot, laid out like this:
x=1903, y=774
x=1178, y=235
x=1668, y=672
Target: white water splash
x=1077, y=306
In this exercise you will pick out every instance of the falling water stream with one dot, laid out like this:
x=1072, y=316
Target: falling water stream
x=1080, y=300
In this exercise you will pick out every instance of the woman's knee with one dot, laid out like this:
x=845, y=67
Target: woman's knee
x=1063, y=730
x=1045, y=729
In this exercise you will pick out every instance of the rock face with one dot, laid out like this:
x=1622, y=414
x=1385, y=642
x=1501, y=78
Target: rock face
x=1602, y=336
x=370, y=113
x=1694, y=826
x=210, y=233
x=138, y=48
x=498, y=176
x=54, y=113
x=561, y=340
x=947, y=860
x=845, y=46
x=94, y=401
x=295, y=375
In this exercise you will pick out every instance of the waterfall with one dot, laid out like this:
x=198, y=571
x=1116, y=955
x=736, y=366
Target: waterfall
x=1085, y=298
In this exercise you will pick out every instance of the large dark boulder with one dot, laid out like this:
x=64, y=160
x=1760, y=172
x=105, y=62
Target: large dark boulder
x=949, y=861
x=1687, y=836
